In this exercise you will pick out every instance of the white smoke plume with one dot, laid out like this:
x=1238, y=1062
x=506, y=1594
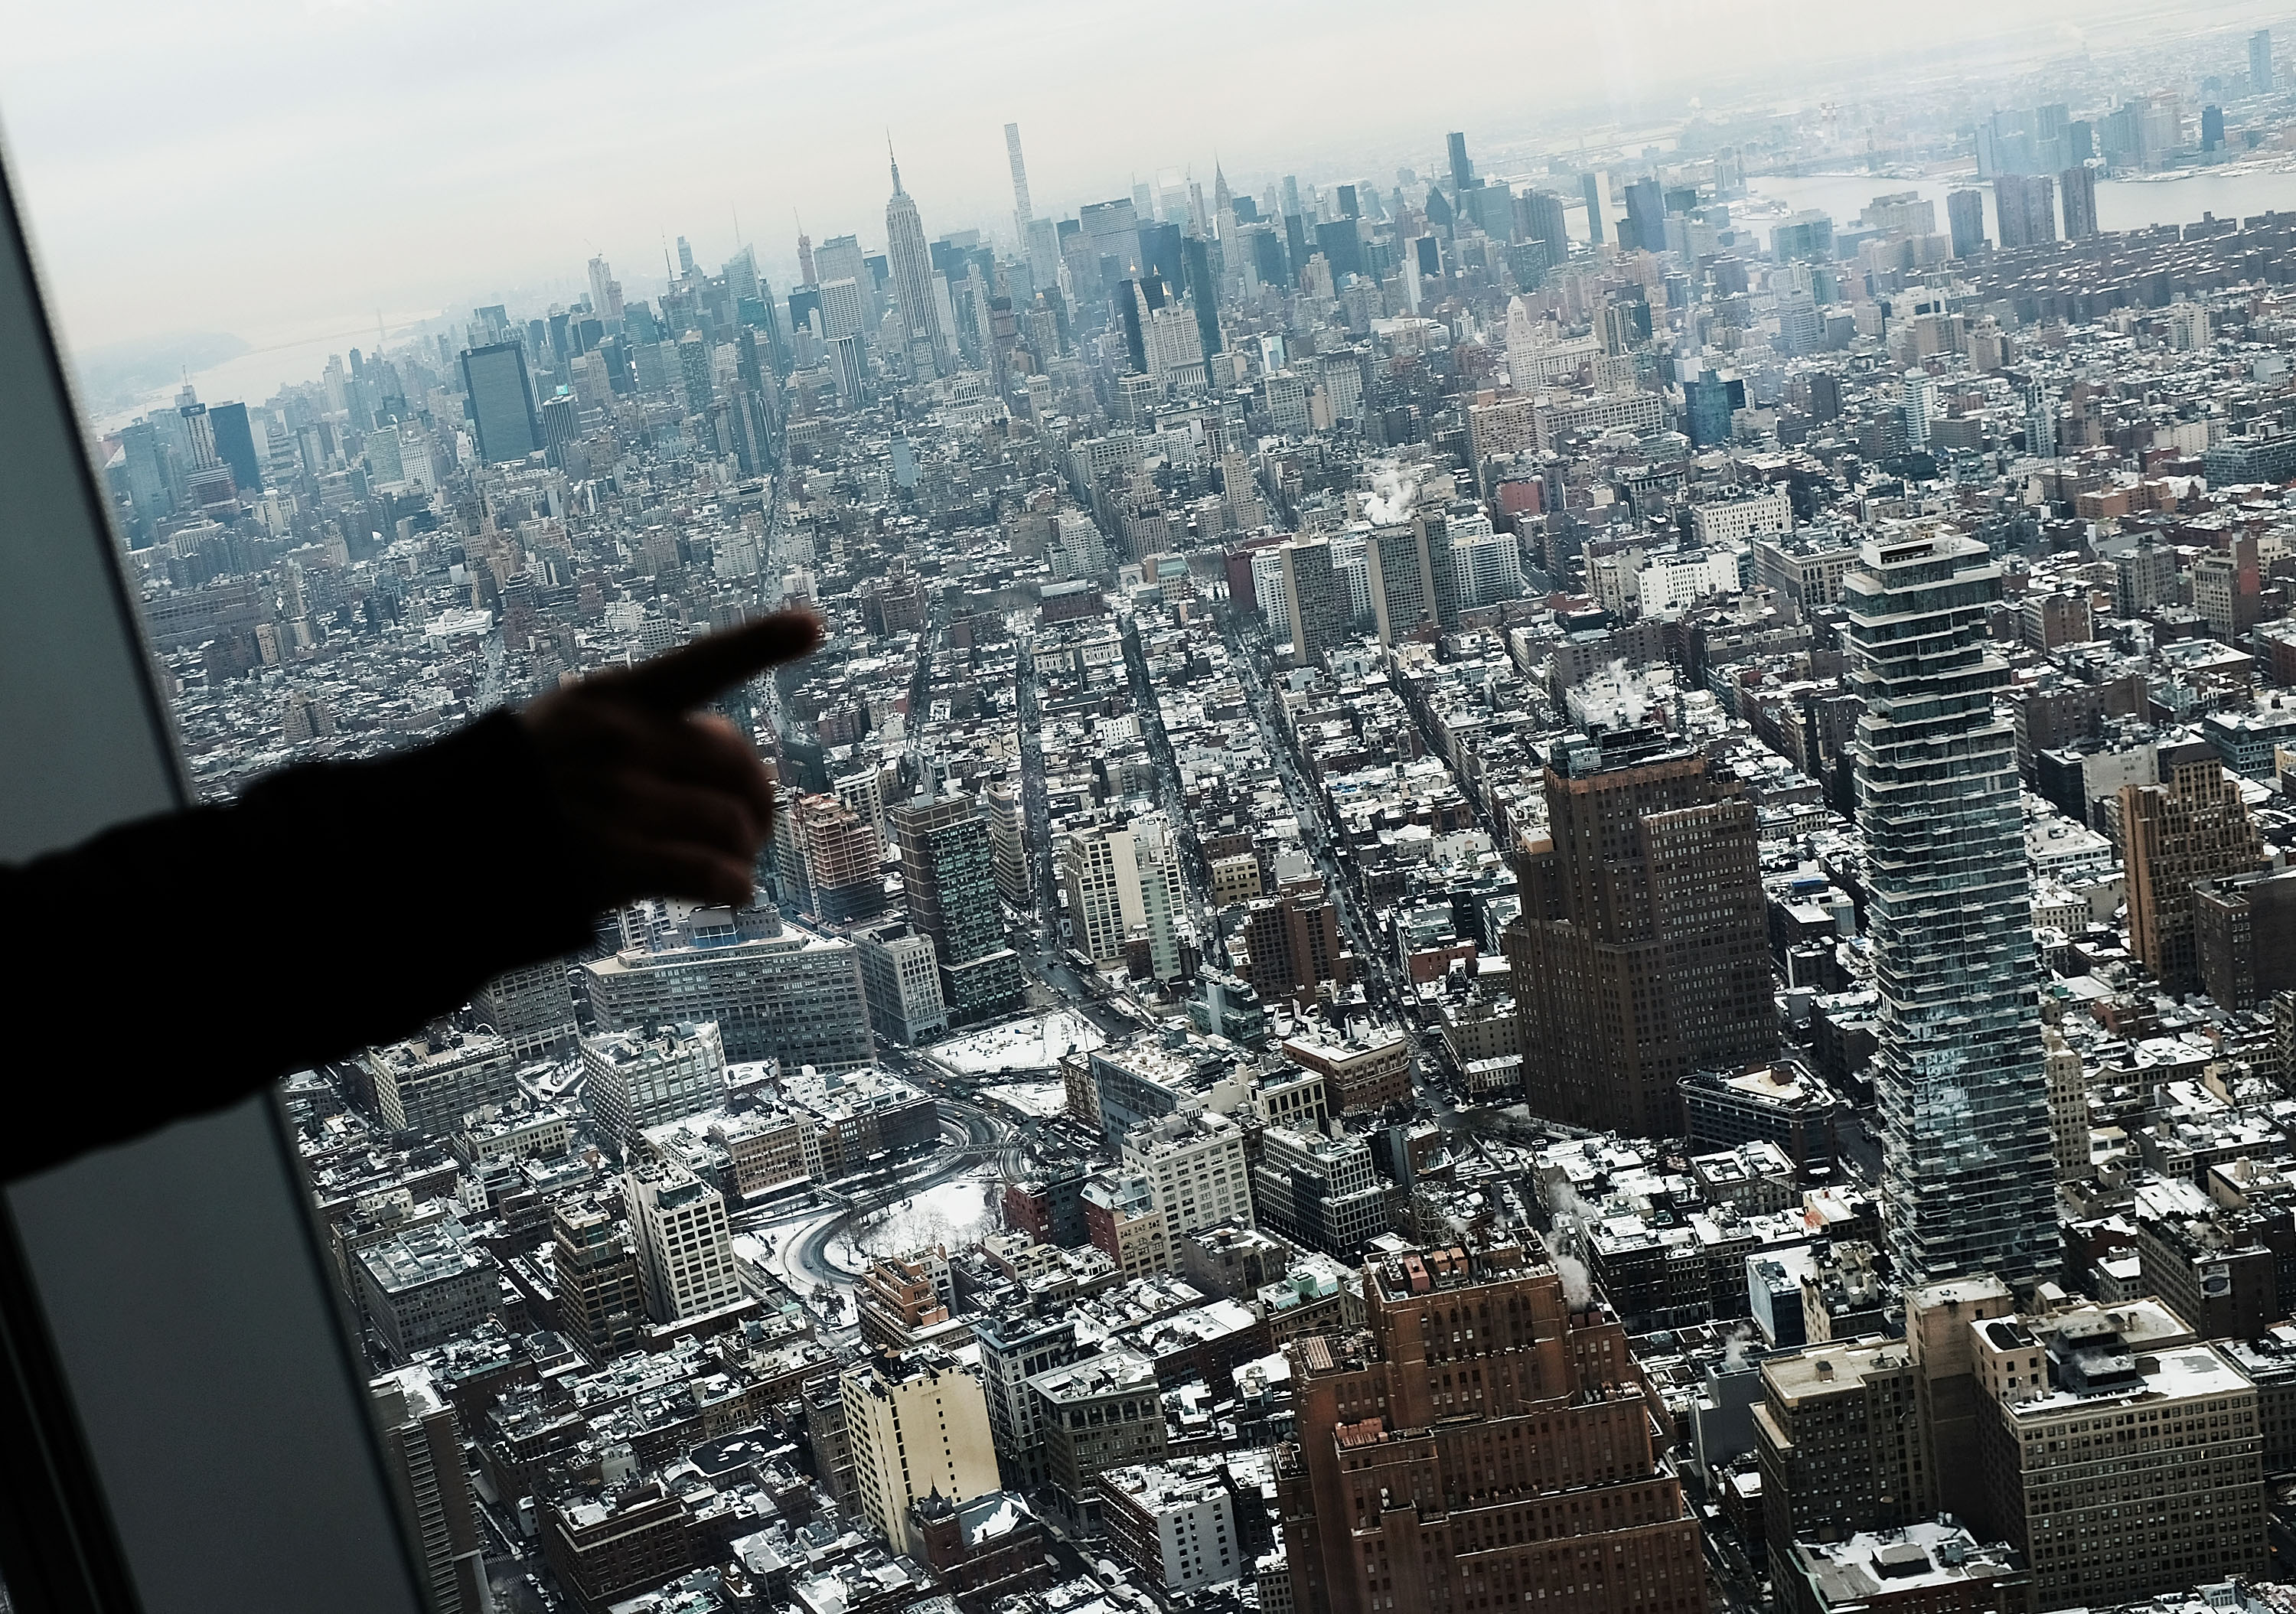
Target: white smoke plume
x=1393, y=496
x=1577, y=1285
x=1733, y=1348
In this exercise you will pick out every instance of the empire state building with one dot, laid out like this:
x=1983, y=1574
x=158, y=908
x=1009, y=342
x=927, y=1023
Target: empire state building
x=912, y=264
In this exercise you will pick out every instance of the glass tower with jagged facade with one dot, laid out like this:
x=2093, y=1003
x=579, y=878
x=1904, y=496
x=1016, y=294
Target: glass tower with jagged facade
x=1968, y=1185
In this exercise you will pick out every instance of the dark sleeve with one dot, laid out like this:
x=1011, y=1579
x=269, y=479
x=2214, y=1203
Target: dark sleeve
x=174, y=964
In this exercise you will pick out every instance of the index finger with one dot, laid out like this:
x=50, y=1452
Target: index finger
x=680, y=680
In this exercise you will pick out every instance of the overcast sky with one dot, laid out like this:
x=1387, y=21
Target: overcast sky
x=275, y=168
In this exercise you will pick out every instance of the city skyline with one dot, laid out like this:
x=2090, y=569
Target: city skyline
x=420, y=222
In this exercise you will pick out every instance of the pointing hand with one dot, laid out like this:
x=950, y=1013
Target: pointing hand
x=660, y=801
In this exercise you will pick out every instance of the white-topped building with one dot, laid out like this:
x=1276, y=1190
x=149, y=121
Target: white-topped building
x=684, y=1248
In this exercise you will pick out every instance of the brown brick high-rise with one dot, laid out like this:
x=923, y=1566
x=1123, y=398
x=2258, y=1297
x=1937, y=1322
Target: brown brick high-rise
x=1485, y=1446
x=1642, y=952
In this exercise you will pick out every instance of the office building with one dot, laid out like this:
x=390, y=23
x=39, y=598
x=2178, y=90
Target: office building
x=1121, y=1217
x=500, y=402
x=659, y=1073
x=1969, y=1186
x=918, y=1422
x=929, y=345
x=1934, y=1565
x=1463, y=172
x=831, y=859
x=601, y=1293
x=1123, y=884
x=1507, y=1457
x=796, y=996
x=685, y=1250
x=1414, y=578
x=1645, y=217
x=1838, y=1440
x=1016, y=1345
x=531, y=1008
x=948, y=874
x=2190, y=828
x=1103, y=1412
x=1296, y=946
x=2244, y=933
x=1964, y=212
x=1318, y=1191
x=424, y=1286
x=900, y=976
x=422, y=1456
x=1008, y=846
x=1642, y=952
x=234, y=446
x=1174, y=1522
x=604, y=1549
x=430, y=1083
x=1367, y=1069
x=1315, y=598
x=2261, y=79
x=1711, y=399
x=1194, y=1164
x=2119, y=1469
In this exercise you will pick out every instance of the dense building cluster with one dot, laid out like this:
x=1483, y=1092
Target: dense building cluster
x=1573, y=887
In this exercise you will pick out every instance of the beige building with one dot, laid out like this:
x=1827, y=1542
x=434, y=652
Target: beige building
x=1122, y=1217
x=686, y=1255
x=918, y=1425
x=2068, y=1105
x=1194, y=1165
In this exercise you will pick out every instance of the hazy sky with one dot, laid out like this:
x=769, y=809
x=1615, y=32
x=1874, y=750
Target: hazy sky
x=283, y=167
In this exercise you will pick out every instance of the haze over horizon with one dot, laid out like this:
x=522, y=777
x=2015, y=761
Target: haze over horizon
x=178, y=180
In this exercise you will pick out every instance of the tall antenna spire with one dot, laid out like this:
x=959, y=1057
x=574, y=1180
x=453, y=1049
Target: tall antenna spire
x=894, y=162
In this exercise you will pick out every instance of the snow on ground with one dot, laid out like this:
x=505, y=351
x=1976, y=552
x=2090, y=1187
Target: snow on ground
x=1032, y=1098
x=1028, y=1043
x=951, y=1215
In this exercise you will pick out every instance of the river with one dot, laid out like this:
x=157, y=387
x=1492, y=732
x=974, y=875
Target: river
x=2121, y=204
x=285, y=360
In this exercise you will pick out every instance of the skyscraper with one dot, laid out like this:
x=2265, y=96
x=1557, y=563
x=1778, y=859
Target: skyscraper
x=2081, y=202
x=2260, y=81
x=1642, y=952
x=1646, y=215
x=1964, y=212
x=948, y=869
x=1022, y=210
x=1917, y=404
x=234, y=446
x=912, y=275
x=1463, y=172
x=1488, y=1446
x=1968, y=1180
x=500, y=402
x=605, y=294
x=694, y=374
x=1597, y=187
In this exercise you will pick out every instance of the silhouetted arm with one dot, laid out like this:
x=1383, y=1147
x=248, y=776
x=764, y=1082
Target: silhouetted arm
x=173, y=965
